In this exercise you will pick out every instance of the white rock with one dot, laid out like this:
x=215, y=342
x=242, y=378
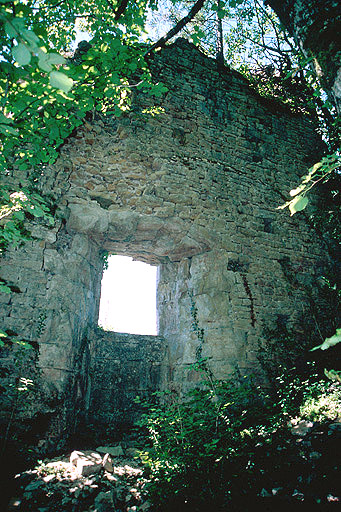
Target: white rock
x=107, y=463
x=86, y=462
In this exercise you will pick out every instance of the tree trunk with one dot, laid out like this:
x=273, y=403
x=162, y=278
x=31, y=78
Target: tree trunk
x=220, y=42
x=316, y=28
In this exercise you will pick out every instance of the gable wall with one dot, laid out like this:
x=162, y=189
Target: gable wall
x=193, y=190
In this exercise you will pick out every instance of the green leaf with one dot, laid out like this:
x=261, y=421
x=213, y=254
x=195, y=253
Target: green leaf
x=44, y=64
x=333, y=375
x=7, y=130
x=19, y=215
x=18, y=23
x=30, y=37
x=4, y=119
x=329, y=342
x=56, y=59
x=4, y=288
x=21, y=54
x=37, y=211
x=10, y=30
x=46, y=60
x=60, y=81
x=298, y=204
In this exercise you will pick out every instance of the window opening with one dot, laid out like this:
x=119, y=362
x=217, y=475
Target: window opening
x=128, y=297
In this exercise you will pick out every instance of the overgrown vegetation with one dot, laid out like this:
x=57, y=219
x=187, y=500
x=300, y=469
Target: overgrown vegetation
x=227, y=445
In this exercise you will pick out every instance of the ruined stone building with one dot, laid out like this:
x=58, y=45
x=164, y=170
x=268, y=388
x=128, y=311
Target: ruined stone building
x=193, y=189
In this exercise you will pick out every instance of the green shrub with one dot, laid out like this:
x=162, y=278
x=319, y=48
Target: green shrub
x=224, y=442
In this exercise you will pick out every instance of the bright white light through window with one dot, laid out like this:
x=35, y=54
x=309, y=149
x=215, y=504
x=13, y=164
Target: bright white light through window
x=128, y=296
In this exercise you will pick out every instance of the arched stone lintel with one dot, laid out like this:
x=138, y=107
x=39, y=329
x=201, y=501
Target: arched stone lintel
x=145, y=237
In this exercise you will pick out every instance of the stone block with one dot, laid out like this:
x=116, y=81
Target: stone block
x=86, y=462
x=89, y=218
x=114, y=451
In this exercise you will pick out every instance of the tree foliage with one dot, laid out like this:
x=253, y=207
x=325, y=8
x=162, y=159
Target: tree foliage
x=48, y=89
x=314, y=24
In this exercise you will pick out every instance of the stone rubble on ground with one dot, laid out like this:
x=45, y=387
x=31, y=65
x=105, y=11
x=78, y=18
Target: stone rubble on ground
x=97, y=480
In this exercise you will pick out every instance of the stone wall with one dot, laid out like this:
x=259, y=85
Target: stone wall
x=193, y=189
x=123, y=366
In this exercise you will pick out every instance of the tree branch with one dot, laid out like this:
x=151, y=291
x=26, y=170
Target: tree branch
x=119, y=10
x=53, y=6
x=179, y=26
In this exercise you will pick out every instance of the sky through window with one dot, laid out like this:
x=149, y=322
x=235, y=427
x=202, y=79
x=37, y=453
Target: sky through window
x=128, y=296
